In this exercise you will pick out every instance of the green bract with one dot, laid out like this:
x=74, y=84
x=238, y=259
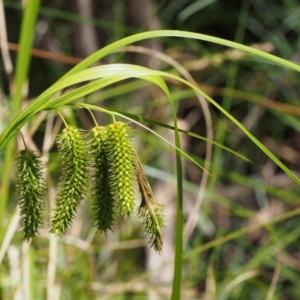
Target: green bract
x=31, y=190
x=103, y=202
x=73, y=152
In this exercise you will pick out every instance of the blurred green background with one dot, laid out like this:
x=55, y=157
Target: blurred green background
x=227, y=253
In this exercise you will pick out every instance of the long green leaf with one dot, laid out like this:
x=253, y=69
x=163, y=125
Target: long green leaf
x=25, y=44
x=129, y=71
x=182, y=34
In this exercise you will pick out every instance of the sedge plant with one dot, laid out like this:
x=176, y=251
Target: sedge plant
x=116, y=168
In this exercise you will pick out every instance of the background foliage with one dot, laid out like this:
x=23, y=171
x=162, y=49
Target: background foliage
x=245, y=241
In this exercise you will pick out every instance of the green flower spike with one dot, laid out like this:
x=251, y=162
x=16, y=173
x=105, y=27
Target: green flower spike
x=150, y=211
x=71, y=147
x=31, y=189
x=152, y=219
x=103, y=202
x=120, y=159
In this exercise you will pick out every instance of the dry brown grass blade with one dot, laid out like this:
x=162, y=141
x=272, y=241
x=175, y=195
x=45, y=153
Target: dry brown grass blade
x=71, y=60
x=4, y=44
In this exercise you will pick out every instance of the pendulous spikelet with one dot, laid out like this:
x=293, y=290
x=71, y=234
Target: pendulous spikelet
x=31, y=189
x=72, y=149
x=103, y=202
x=152, y=219
x=119, y=153
x=150, y=211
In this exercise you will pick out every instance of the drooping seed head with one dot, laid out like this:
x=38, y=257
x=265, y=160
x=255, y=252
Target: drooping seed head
x=31, y=189
x=72, y=187
x=119, y=150
x=150, y=211
x=103, y=201
x=152, y=219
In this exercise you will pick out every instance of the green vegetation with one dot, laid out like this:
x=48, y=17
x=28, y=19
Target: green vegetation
x=215, y=131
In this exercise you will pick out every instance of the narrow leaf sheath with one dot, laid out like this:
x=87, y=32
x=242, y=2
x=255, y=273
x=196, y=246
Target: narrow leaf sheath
x=71, y=147
x=119, y=149
x=31, y=191
x=103, y=201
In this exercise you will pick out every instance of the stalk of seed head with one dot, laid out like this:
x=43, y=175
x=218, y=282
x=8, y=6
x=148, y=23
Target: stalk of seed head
x=71, y=147
x=31, y=190
x=103, y=202
x=150, y=211
x=119, y=149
